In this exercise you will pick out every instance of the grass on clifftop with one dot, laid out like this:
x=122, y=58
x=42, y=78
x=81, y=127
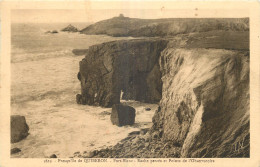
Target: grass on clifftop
x=125, y=26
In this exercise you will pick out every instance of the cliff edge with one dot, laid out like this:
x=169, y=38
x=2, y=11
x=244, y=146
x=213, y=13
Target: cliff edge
x=200, y=80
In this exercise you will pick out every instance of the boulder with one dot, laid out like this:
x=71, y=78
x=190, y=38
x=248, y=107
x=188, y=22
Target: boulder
x=15, y=150
x=19, y=128
x=53, y=156
x=122, y=115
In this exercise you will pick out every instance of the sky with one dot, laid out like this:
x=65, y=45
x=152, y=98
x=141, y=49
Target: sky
x=61, y=15
x=95, y=15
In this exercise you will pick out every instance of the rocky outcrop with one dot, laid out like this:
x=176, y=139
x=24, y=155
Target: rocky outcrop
x=130, y=67
x=52, y=32
x=122, y=115
x=70, y=28
x=19, y=128
x=201, y=81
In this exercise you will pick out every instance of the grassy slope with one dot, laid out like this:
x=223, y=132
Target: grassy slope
x=231, y=40
x=125, y=26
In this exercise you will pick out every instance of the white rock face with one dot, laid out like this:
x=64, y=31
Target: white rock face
x=205, y=101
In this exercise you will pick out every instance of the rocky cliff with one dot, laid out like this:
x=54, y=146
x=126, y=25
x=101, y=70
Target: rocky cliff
x=200, y=80
x=128, y=67
x=205, y=96
x=205, y=101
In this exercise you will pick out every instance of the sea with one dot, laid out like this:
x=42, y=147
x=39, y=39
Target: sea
x=44, y=85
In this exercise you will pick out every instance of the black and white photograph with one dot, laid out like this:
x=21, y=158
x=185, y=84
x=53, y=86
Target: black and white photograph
x=129, y=85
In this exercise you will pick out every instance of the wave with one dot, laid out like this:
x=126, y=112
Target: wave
x=19, y=56
x=52, y=95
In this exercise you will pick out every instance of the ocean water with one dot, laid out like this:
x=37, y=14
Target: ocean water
x=43, y=88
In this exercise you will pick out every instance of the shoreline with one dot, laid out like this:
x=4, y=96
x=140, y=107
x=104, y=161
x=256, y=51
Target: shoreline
x=92, y=121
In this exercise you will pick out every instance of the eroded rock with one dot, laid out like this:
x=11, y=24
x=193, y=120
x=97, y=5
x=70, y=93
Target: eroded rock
x=131, y=67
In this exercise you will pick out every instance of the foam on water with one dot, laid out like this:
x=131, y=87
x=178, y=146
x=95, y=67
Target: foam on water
x=43, y=88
